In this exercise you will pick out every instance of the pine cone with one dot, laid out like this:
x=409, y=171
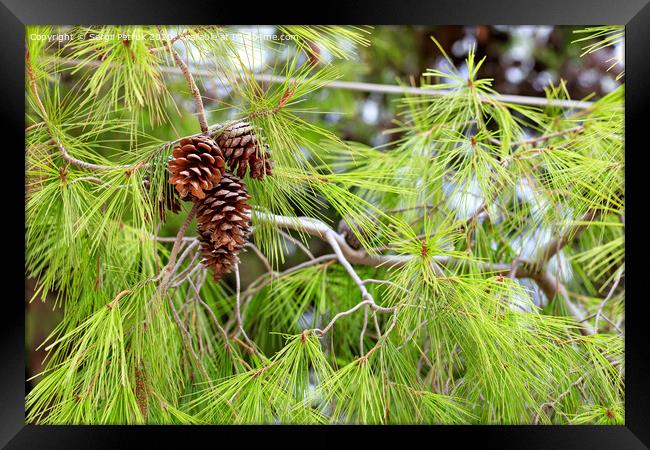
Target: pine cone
x=197, y=166
x=348, y=235
x=219, y=259
x=224, y=224
x=242, y=149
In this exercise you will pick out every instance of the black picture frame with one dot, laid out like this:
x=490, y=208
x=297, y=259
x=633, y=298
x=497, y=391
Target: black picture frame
x=634, y=14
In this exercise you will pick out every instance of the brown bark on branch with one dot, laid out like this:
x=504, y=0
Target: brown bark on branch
x=196, y=94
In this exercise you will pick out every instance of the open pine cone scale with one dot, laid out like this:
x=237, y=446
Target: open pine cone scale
x=243, y=150
x=197, y=166
x=224, y=224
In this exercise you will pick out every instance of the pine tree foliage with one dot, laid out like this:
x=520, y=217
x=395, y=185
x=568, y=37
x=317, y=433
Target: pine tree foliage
x=598, y=38
x=444, y=315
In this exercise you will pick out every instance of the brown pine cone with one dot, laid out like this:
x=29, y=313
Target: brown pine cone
x=242, y=150
x=224, y=224
x=348, y=235
x=219, y=259
x=197, y=166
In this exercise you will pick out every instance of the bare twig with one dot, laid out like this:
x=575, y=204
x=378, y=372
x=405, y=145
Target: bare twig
x=363, y=87
x=117, y=298
x=373, y=306
x=536, y=271
x=364, y=358
x=84, y=164
x=546, y=137
x=339, y=315
x=181, y=233
x=266, y=278
x=607, y=298
x=210, y=312
x=173, y=238
x=240, y=321
x=331, y=238
x=388, y=282
x=188, y=249
x=319, y=229
x=363, y=329
x=260, y=255
x=376, y=322
x=187, y=339
x=167, y=271
x=553, y=404
x=189, y=271
x=609, y=321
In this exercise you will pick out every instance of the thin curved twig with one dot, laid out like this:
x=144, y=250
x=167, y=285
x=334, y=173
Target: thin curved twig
x=364, y=87
x=240, y=321
x=196, y=94
x=599, y=313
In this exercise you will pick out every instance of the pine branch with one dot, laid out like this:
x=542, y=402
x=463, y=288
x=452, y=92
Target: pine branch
x=551, y=405
x=599, y=313
x=238, y=315
x=346, y=255
x=168, y=271
x=479, y=351
x=558, y=243
x=32, y=84
x=536, y=271
x=369, y=302
x=198, y=101
x=43, y=112
x=546, y=137
x=187, y=339
x=117, y=298
x=364, y=87
x=319, y=229
x=330, y=236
